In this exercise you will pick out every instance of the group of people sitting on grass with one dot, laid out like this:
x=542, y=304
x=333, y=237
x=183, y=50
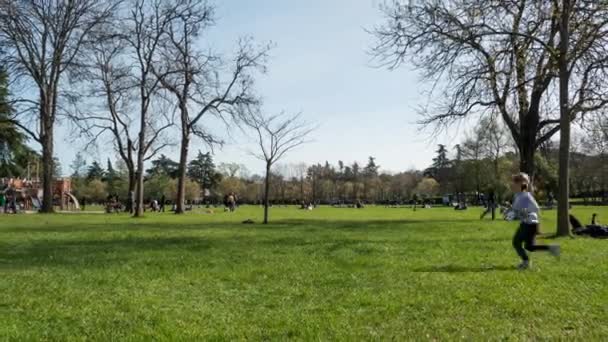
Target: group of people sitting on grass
x=156, y=206
x=113, y=204
x=8, y=203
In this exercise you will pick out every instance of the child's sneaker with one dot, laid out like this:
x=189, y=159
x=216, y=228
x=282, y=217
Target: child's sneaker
x=524, y=265
x=555, y=250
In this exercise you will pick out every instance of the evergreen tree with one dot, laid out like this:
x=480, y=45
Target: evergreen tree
x=111, y=173
x=202, y=170
x=163, y=166
x=14, y=153
x=371, y=169
x=348, y=174
x=111, y=178
x=458, y=173
x=441, y=161
x=95, y=171
x=441, y=169
x=356, y=169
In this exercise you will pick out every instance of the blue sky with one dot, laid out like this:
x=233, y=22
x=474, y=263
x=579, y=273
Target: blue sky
x=320, y=67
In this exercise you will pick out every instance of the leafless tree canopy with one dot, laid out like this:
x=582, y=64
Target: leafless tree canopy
x=194, y=79
x=41, y=43
x=498, y=57
x=277, y=134
x=151, y=63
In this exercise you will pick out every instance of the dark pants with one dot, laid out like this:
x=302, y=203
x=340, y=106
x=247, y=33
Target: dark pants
x=490, y=209
x=526, y=236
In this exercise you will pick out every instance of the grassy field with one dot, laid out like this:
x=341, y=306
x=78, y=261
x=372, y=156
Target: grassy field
x=329, y=274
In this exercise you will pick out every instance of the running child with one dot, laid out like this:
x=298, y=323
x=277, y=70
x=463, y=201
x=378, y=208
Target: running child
x=527, y=210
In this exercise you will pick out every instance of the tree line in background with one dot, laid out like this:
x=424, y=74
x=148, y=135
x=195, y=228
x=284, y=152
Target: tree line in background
x=481, y=163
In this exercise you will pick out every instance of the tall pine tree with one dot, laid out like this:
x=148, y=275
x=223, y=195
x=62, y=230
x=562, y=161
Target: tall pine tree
x=15, y=155
x=202, y=170
x=95, y=171
x=163, y=166
x=371, y=169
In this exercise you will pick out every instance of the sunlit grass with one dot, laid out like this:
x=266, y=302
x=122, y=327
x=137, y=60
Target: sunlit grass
x=328, y=274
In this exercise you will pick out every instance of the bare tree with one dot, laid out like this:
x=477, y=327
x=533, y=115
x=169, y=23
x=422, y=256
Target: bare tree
x=144, y=30
x=495, y=143
x=113, y=82
x=595, y=143
x=473, y=149
x=42, y=42
x=232, y=170
x=276, y=136
x=563, y=200
x=116, y=88
x=191, y=76
x=300, y=170
x=499, y=57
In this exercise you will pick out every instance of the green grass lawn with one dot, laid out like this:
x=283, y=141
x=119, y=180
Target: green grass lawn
x=329, y=274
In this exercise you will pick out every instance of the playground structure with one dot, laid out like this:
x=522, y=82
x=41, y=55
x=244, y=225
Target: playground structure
x=27, y=194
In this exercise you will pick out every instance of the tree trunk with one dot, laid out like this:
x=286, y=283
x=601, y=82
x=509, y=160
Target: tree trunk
x=132, y=183
x=181, y=183
x=603, y=178
x=266, y=192
x=47, y=166
x=139, y=197
x=526, y=158
x=314, y=187
x=496, y=170
x=563, y=227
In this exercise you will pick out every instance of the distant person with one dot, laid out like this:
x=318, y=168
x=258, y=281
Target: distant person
x=13, y=205
x=550, y=200
x=359, y=204
x=490, y=206
x=7, y=203
x=527, y=210
x=415, y=200
x=83, y=203
x=594, y=220
x=231, y=201
x=162, y=204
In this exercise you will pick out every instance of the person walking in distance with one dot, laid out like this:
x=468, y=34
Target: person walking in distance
x=490, y=205
x=232, y=202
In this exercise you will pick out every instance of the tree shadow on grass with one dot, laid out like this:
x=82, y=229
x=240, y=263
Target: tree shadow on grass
x=99, y=252
x=292, y=224
x=463, y=269
x=94, y=252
